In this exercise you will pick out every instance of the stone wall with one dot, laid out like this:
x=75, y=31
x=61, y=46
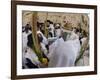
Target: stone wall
x=73, y=18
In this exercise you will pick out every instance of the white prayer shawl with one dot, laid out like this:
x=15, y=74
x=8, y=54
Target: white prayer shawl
x=24, y=41
x=53, y=46
x=63, y=54
x=23, y=59
x=30, y=54
x=45, y=41
x=75, y=44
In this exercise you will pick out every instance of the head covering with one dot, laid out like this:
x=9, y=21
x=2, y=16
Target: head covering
x=57, y=25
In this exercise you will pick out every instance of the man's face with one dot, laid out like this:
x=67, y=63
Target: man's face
x=48, y=24
x=40, y=38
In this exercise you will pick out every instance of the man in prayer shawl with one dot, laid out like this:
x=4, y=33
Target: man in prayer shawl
x=63, y=54
x=30, y=57
x=24, y=43
x=43, y=43
x=51, y=28
x=58, y=30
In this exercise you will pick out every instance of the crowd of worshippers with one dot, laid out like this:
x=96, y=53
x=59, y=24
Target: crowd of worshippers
x=59, y=49
x=51, y=27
